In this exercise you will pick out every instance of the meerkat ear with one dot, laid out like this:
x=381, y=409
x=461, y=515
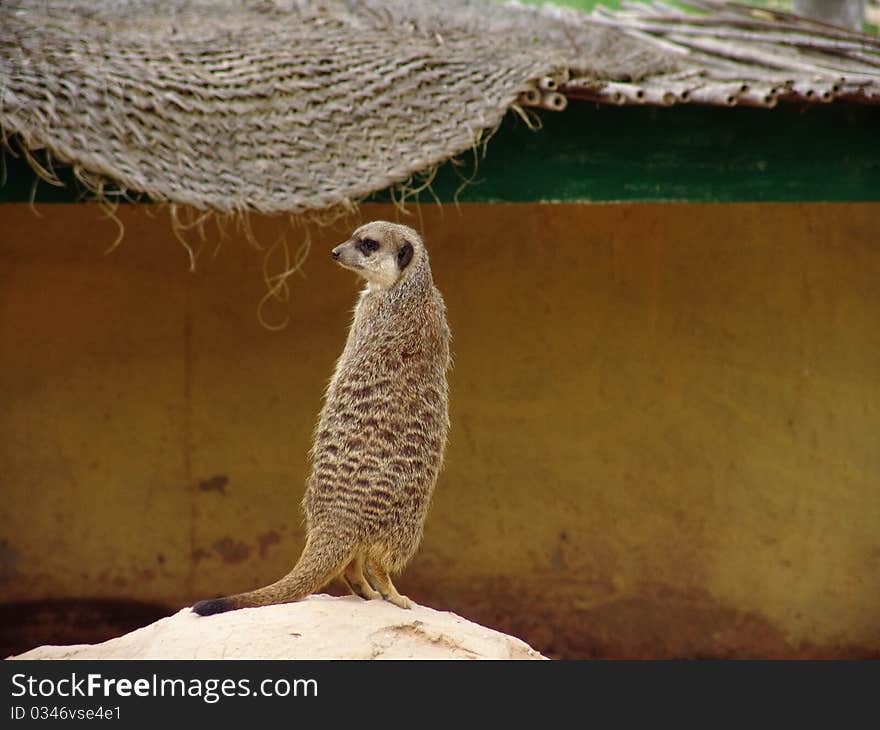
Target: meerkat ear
x=404, y=255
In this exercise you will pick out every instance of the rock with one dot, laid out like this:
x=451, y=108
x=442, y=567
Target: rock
x=319, y=627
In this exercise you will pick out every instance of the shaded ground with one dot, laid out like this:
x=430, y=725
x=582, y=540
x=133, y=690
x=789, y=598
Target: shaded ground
x=29, y=624
x=659, y=624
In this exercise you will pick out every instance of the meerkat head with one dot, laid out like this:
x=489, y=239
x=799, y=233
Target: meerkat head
x=381, y=252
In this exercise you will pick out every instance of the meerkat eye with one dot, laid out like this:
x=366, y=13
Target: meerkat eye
x=367, y=246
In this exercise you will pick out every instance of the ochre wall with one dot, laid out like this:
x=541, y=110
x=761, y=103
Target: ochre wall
x=665, y=419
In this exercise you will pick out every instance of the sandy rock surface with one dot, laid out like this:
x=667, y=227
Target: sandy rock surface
x=319, y=627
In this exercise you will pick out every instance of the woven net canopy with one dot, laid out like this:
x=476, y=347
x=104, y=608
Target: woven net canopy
x=282, y=106
x=291, y=107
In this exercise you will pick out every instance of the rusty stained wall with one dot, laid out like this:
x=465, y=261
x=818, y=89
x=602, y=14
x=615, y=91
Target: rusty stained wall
x=665, y=420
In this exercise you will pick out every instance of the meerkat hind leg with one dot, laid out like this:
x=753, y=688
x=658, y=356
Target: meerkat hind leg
x=353, y=575
x=381, y=581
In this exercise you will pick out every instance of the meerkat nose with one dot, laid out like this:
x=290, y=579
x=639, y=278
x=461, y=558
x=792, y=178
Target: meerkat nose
x=336, y=253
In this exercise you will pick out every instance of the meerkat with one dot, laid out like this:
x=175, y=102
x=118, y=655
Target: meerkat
x=381, y=434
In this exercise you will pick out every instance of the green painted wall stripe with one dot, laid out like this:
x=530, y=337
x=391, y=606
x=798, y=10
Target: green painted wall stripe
x=682, y=153
x=688, y=153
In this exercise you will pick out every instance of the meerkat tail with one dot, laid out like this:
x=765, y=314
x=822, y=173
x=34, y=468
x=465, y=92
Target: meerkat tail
x=320, y=562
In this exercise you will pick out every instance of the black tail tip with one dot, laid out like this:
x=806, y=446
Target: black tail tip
x=215, y=605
